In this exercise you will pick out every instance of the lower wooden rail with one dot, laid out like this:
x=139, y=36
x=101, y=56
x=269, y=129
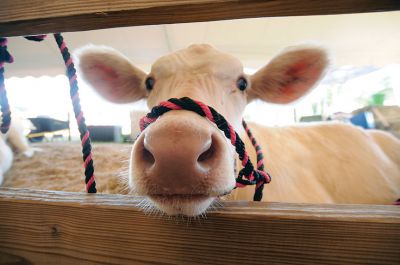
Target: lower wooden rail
x=45, y=227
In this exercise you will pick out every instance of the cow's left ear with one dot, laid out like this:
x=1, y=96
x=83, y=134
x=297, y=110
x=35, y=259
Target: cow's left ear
x=289, y=76
x=111, y=74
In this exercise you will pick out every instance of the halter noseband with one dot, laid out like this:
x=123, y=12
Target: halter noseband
x=248, y=175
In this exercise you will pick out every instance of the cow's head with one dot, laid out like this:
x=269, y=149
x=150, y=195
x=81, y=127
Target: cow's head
x=182, y=162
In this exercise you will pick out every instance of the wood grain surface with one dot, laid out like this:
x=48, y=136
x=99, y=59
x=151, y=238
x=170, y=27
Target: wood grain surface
x=44, y=227
x=28, y=17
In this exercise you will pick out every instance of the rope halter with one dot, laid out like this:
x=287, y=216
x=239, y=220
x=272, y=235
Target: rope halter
x=248, y=175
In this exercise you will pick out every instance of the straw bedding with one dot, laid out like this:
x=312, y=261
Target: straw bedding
x=59, y=166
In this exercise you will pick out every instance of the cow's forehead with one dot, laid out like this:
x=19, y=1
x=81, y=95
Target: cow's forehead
x=198, y=58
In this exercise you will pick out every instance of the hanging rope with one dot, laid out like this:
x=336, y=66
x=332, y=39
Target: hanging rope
x=247, y=175
x=5, y=57
x=80, y=119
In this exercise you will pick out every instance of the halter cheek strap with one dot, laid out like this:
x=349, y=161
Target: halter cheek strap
x=248, y=175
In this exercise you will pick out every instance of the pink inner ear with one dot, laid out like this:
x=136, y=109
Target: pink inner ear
x=300, y=77
x=296, y=69
x=109, y=73
x=107, y=82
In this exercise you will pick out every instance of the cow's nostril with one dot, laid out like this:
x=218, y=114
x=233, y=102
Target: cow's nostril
x=147, y=156
x=208, y=154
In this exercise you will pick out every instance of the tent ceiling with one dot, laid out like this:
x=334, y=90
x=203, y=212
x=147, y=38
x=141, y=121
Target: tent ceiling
x=357, y=39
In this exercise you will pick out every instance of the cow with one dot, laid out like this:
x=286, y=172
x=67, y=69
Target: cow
x=182, y=162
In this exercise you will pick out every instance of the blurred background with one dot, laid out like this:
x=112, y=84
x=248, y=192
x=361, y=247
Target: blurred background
x=362, y=85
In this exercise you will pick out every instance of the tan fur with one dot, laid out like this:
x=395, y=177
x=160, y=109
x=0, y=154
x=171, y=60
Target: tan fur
x=327, y=163
x=202, y=73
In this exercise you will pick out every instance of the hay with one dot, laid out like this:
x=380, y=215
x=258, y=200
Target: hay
x=59, y=166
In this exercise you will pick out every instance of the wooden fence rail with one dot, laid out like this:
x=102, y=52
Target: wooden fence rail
x=27, y=17
x=44, y=227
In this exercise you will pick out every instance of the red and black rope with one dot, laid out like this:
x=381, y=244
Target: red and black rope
x=36, y=37
x=5, y=57
x=71, y=73
x=80, y=119
x=259, y=154
x=248, y=175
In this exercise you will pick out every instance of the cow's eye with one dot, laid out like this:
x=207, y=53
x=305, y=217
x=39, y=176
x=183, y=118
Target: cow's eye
x=241, y=83
x=149, y=83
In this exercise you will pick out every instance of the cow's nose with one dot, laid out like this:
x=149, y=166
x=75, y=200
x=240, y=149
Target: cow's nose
x=184, y=149
x=177, y=157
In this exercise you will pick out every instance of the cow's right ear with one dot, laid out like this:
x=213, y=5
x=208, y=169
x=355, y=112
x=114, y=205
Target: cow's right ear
x=289, y=75
x=111, y=74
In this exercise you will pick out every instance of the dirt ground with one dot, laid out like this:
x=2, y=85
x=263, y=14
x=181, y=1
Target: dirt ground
x=59, y=166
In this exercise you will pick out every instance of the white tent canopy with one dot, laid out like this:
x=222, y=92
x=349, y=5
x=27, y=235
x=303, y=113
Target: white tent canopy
x=357, y=39
x=364, y=43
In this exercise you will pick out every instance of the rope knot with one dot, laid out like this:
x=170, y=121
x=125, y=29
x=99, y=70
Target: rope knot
x=263, y=176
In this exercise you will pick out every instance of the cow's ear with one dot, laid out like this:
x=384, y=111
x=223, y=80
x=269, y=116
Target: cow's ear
x=289, y=75
x=111, y=74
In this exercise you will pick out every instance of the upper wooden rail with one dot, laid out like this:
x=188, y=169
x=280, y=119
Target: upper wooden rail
x=28, y=17
x=43, y=227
